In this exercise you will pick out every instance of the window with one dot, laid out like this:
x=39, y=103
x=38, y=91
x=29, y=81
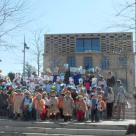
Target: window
x=80, y=45
x=123, y=61
x=105, y=63
x=88, y=62
x=71, y=61
x=95, y=45
x=87, y=44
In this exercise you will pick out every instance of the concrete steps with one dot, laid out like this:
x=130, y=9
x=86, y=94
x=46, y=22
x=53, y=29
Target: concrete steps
x=65, y=131
x=117, y=125
x=131, y=112
x=105, y=128
x=130, y=115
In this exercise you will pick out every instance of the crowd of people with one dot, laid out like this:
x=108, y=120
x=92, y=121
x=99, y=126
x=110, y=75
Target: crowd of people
x=81, y=97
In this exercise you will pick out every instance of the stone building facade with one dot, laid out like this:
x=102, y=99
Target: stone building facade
x=109, y=51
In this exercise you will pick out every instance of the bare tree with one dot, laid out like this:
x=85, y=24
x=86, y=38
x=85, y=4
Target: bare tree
x=29, y=70
x=11, y=15
x=125, y=16
x=38, y=49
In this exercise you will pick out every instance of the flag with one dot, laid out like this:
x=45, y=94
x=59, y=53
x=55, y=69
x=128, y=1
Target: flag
x=25, y=45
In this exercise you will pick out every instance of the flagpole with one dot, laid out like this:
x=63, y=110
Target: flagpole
x=24, y=58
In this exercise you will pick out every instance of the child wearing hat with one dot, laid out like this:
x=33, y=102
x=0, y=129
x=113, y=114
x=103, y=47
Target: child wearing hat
x=94, y=107
x=81, y=108
x=10, y=102
x=68, y=106
x=101, y=106
x=18, y=97
x=45, y=96
x=39, y=105
x=61, y=104
x=27, y=106
x=53, y=104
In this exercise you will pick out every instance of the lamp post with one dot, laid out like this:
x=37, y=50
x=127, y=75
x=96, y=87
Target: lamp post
x=135, y=25
x=126, y=68
x=135, y=44
x=24, y=55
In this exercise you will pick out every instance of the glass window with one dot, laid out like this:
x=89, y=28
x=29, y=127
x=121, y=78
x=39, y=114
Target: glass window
x=71, y=61
x=105, y=63
x=96, y=44
x=123, y=61
x=80, y=45
x=87, y=44
x=88, y=62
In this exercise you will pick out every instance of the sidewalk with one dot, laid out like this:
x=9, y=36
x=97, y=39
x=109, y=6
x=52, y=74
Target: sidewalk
x=42, y=128
x=74, y=122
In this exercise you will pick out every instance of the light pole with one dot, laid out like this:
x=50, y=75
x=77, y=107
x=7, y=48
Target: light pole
x=24, y=51
x=135, y=57
x=126, y=67
x=135, y=25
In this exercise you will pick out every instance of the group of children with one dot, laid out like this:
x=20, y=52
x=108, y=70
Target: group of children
x=67, y=105
x=91, y=99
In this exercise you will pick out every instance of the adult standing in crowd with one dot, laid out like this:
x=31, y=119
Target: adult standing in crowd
x=111, y=82
x=110, y=79
x=121, y=100
x=110, y=101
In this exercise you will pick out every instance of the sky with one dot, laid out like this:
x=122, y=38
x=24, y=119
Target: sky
x=57, y=16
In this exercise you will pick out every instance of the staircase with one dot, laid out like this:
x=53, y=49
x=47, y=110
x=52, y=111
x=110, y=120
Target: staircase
x=105, y=128
x=131, y=111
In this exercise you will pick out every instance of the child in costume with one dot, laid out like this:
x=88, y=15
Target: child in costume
x=18, y=97
x=88, y=102
x=80, y=86
x=81, y=108
x=101, y=106
x=10, y=101
x=46, y=98
x=53, y=104
x=27, y=106
x=68, y=106
x=39, y=105
x=61, y=104
x=94, y=107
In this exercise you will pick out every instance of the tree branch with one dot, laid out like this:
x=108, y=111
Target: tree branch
x=124, y=9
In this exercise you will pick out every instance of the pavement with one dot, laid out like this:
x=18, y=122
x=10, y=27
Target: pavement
x=58, y=128
x=107, y=122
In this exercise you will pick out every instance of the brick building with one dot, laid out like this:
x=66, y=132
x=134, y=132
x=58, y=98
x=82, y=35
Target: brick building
x=109, y=51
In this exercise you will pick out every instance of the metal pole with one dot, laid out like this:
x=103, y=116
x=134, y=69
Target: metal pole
x=135, y=26
x=24, y=59
x=24, y=62
x=135, y=46
x=126, y=72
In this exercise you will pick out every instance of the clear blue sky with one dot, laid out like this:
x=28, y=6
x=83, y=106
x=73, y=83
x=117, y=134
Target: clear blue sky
x=58, y=16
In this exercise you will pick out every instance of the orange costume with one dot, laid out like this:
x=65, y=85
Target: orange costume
x=60, y=102
x=81, y=109
x=17, y=100
x=39, y=105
